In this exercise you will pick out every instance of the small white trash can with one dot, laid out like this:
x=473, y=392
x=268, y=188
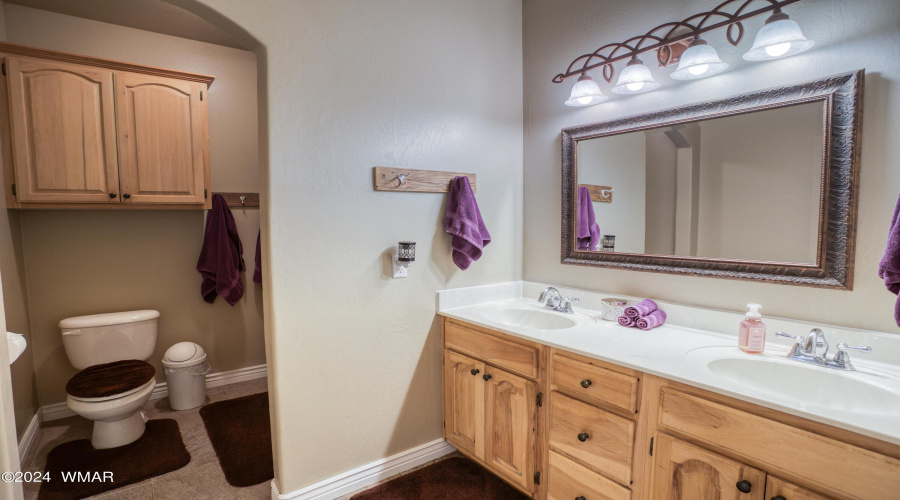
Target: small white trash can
x=186, y=368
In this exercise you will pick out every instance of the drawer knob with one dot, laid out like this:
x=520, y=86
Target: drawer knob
x=475, y=371
x=580, y=497
x=744, y=486
x=112, y=195
x=586, y=383
x=779, y=497
x=126, y=196
x=486, y=377
x=584, y=437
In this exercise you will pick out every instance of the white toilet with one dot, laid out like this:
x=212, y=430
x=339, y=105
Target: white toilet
x=115, y=381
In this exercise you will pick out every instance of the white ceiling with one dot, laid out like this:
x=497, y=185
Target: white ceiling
x=150, y=15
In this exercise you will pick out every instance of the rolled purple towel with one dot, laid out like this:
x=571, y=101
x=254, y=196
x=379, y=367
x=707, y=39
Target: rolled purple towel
x=652, y=320
x=640, y=309
x=626, y=321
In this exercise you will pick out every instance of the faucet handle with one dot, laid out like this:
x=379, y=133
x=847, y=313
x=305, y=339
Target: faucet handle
x=843, y=359
x=797, y=338
x=797, y=349
x=567, y=308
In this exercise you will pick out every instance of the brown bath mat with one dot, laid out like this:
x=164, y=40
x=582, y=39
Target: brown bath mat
x=450, y=479
x=158, y=451
x=240, y=434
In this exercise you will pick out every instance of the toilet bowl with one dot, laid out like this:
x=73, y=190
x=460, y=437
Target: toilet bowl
x=114, y=381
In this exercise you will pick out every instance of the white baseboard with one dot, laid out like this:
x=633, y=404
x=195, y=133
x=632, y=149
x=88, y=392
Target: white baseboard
x=27, y=440
x=368, y=474
x=61, y=410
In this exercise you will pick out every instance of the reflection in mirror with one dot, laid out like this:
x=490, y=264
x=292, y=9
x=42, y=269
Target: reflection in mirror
x=744, y=187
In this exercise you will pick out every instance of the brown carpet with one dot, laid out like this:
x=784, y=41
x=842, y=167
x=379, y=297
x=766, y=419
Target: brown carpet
x=240, y=434
x=455, y=478
x=158, y=451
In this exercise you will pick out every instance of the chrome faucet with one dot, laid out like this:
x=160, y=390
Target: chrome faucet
x=806, y=349
x=560, y=304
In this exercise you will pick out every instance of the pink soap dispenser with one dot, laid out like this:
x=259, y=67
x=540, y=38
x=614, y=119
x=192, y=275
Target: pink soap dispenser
x=752, y=336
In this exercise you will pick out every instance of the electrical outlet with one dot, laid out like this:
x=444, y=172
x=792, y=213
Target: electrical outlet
x=400, y=268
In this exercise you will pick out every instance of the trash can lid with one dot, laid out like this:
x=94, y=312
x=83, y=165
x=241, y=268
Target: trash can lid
x=184, y=351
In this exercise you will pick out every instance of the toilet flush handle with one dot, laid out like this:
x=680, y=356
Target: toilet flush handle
x=72, y=332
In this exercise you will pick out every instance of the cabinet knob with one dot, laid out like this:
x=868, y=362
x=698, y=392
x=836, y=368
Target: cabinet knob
x=112, y=195
x=586, y=383
x=583, y=436
x=779, y=497
x=475, y=371
x=744, y=486
x=126, y=196
x=580, y=497
x=486, y=376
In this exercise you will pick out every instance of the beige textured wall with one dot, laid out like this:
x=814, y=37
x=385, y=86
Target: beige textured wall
x=618, y=161
x=12, y=268
x=355, y=355
x=769, y=162
x=848, y=35
x=86, y=262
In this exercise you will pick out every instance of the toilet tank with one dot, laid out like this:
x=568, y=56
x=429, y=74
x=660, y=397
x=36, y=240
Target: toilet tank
x=104, y=338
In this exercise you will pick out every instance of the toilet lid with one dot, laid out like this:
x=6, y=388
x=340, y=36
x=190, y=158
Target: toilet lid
x=110, y=379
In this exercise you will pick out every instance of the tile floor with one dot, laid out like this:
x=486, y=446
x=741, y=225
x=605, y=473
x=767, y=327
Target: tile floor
x=200, y=479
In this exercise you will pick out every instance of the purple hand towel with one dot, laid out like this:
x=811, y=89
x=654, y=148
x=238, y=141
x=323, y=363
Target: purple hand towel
x=889, y=267
x=626, y=321
x=257, y=269
x=640, y=309
x=463, y=221
x=222, y=256
x=588, y=229
x=652, y=320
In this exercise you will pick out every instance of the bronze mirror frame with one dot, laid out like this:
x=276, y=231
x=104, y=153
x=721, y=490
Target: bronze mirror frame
x=842, y=99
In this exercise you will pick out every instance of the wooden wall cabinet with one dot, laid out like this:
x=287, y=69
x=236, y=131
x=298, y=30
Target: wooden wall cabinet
x=89, y=133
x=612, y=433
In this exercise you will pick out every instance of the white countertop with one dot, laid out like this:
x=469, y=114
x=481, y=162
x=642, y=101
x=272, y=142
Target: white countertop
x=671, y=351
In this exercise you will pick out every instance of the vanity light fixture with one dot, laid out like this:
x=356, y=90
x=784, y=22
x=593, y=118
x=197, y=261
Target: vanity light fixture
x=635, y=79
x=780, y=37
x=585, y=92
x=699, y=61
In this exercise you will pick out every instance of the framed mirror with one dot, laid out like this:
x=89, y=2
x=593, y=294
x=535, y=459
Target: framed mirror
x=760, y=186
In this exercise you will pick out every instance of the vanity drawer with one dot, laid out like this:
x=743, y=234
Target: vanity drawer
x=779, y=448
x=518, y=358
x=603, y=385
x=599, y=439
x=569, y=480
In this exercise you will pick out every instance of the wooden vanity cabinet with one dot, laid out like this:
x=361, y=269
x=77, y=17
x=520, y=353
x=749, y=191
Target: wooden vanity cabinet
x=80, y=132
x=608, y=432
x=491, y=413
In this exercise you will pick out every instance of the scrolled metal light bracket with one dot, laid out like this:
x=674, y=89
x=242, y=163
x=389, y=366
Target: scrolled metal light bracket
x=663, y=36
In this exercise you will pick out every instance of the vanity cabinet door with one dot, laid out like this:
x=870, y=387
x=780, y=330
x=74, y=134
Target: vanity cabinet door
x=511, y=421
x=778, y=489
x=63, y=132
x=464, y=403
x=683, y=471
x=162, y=138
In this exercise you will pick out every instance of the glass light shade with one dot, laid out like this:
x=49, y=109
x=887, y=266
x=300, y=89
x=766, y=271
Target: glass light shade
x=780, y=37
x=635, y=79
x=699, y=61
x=585, y=92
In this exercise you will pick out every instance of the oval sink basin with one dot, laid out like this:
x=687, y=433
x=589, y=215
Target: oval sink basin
x=523, y=317
x=846, y=391
x=16, y=345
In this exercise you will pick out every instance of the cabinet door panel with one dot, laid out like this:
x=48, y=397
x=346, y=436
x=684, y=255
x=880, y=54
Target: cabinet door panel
x=161, y=139
x=63, y=132
x=511, y=420
x=464, y=403
x=683, y=471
